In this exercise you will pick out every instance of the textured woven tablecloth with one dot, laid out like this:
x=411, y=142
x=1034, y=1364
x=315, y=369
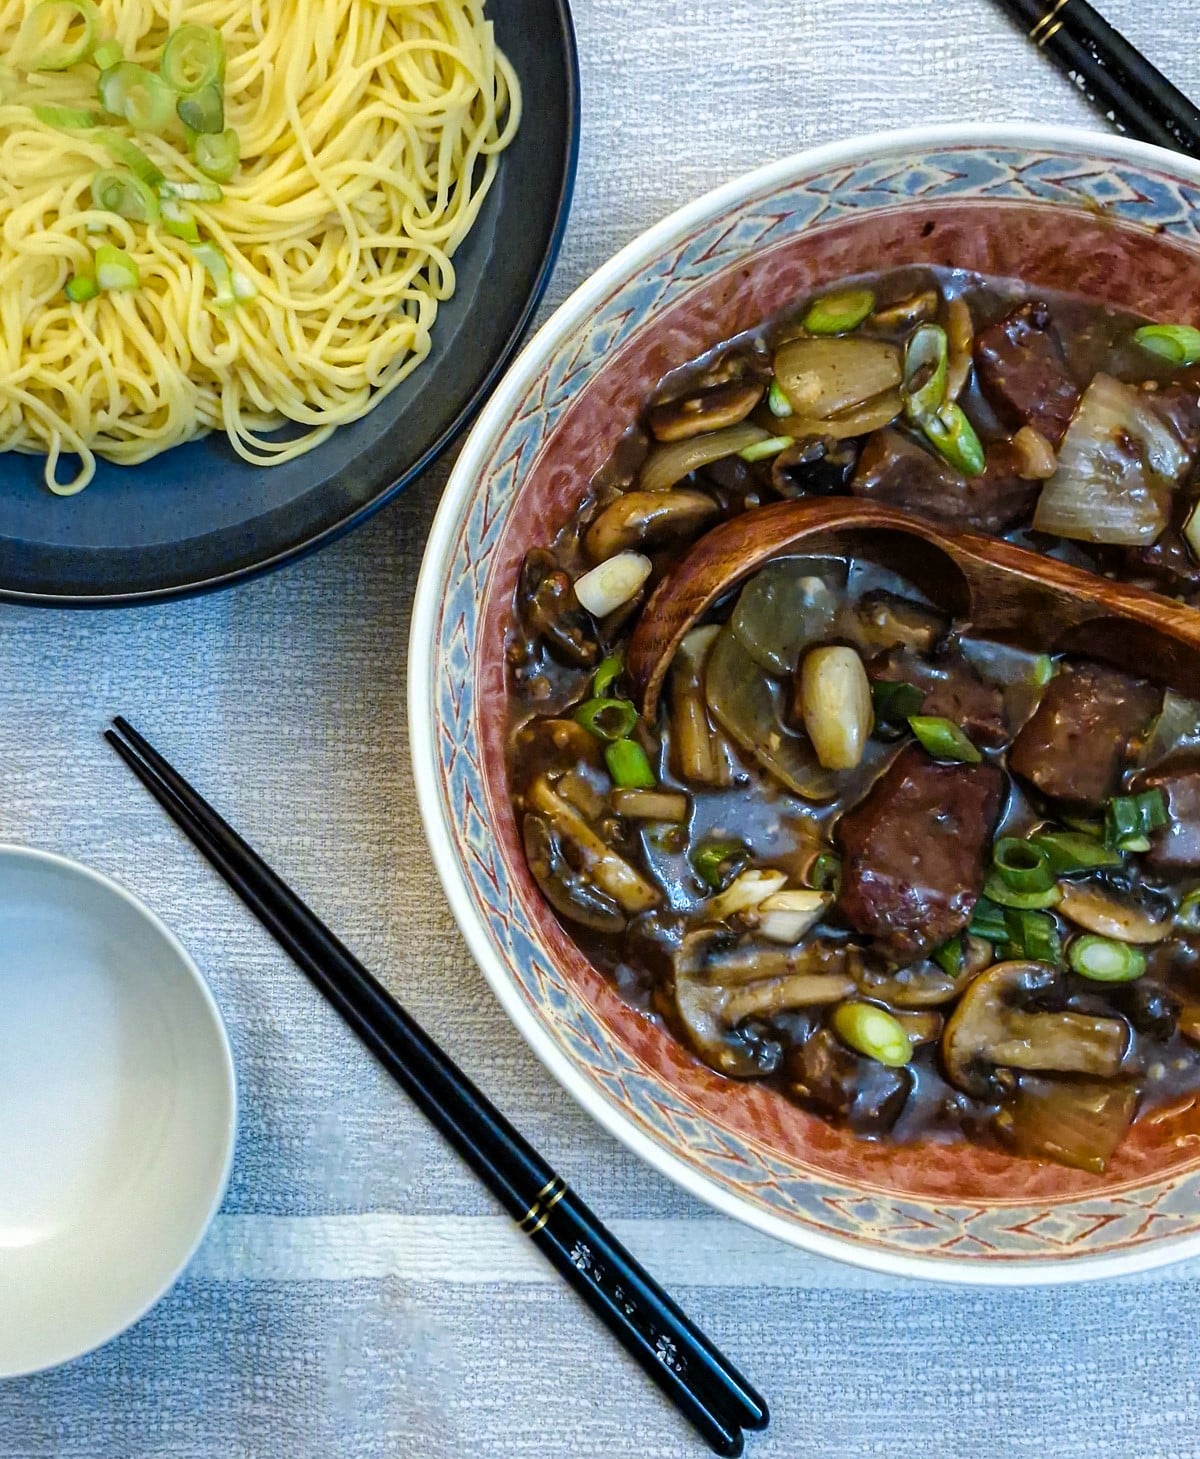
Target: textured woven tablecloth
x=360, y=1296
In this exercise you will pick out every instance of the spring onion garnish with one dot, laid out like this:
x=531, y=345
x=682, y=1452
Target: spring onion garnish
x=216, y=266
x=193, y=192
x=716, y=863
x=894, y=702
x=1022, y=866
x=177, y=219
x=607, y=674
x=987, y=921
x=204, y=111
x=107, y=54
x=777, y=402
x=999, y=891
x=607, y=719
x=125, y=152
x=144, y=99
x=218, y=156
x=67, y=118
x=1105, y=961
x=58, y=34
x=954, y=437
x=873, y=1032
x=1129, y=819
x=194, y=58
x=839, y=313
x=1042, y=670
x=763, y=450
x=943, y=739
x=1069, y=852
x=127, y=196
x=825, y=874
x=628, y=765
x=82, y=288
x=115, y=269
x=1179, y=343
x=1188, y=914
x=925, y=368
x=1033, y=935
x=949, y=957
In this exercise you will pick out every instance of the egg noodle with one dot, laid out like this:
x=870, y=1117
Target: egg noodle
x=370, y=132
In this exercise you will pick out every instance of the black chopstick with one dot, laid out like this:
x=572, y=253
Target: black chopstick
x=706, y=1388
x=1114, y=76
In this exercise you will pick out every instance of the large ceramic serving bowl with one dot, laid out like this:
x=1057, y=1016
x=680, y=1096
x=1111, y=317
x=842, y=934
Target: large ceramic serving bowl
x=1060, y=208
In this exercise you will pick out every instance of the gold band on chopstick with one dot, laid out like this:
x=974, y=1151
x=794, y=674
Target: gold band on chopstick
x=1039, y=32
x=543, y=1203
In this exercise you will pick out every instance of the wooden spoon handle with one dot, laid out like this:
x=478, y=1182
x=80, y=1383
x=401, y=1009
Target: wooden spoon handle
x=1005, y=592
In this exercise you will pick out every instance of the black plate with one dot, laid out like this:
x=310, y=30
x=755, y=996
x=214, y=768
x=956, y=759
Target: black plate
x=200, y=517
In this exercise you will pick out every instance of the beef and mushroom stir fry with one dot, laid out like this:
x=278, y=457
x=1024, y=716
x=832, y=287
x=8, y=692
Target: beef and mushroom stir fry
x=928, y=885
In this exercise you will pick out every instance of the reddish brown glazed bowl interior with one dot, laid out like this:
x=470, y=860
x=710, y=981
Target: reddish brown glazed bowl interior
x=1056, y=248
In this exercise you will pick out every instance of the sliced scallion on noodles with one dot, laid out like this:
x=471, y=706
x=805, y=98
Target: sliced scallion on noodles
x=141, y=97
x=178, y=220
x=128, y=154
x=115, y=270
x=82, y=288
x=107, y=54
x=67, y=118
x=194, y=58
x=204, y=111
x=192, y=192
x=57, y=34
x=115, y=191
x=216, y=265
x=218, y=156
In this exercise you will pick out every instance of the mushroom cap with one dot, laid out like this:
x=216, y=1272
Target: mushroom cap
x=1098, y=908
x=648, y=519
x=727, y=403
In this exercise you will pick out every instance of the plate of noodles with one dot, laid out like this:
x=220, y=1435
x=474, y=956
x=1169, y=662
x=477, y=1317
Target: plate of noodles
x=258, y=264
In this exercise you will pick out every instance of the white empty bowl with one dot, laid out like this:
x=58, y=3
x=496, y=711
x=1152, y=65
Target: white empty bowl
x=117, y=1110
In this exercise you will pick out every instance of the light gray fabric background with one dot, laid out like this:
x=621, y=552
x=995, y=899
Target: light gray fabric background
x=360, y=1296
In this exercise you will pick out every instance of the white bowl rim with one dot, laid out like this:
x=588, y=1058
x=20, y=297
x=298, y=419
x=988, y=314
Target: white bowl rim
x=228, y=1071
x=461, y=485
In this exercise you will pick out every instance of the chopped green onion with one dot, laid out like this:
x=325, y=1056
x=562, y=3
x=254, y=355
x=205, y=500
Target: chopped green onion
x=36, y=45
x=217, y=157
x=1022, y=866
x=873, y=1032
x=107, y=55
x=987, y=921
x=839, y=313
x=998, y=890
x=1105, y=961
x=178, y=221
x=925, y=369
x=122, y=150
x=628, y=765
x=143, y=98
x=763, y=450
x=954, y=437
x=894, y=702
x=607, y=719
x=1033, y=935
x=943, y=739
x=717, y=862
x=777, y=402
x=67, y=118
x=1188, y=914
x=1130, y=818
x=194, y=192
x=204, y=111
x=115, y=269
x=217, y=268
x=126, y=195
x=194, y=58
x=82, y=288
x=825, y=874
x=949, y=957
x=1069, y=852
x=244, y=287
x=1042, y=670
x=1179, y=343
x=607, y=674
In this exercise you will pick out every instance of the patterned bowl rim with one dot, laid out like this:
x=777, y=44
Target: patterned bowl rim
x=426, y=667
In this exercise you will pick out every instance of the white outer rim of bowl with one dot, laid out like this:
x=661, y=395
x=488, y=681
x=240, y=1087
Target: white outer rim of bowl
x=463, y=479
x=65, y=863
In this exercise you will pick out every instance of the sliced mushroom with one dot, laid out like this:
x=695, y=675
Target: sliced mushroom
x=913, y=309
x=599, y=863
x=744, y=893
x=881, y=620
x=648, y=519
x=926, y=985
x=713, y=995
x=816, y=465
x=550, y=611
x=711, y=409
x=994, y=1029
x=922, y=1028
x=1098, y=908
x=568, y=891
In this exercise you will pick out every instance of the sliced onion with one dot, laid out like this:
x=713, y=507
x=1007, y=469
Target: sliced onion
x=785, y=917
x=822, y=377
x=1176, y=728
x=785, y=607
x=1078, y=1122
x=670, y=463
x=1116, y=467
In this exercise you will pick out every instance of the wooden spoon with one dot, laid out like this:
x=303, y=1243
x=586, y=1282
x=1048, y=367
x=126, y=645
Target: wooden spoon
x=1003, y=592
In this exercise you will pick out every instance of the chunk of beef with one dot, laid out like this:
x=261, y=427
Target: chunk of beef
x=1179, y=405
x=862, y=1093
x=1022, y=371
x=1176, y=847
x=1075, y=745
x=895, y=470
x=952, y=689
x=1167, y=564
x=913, y=852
